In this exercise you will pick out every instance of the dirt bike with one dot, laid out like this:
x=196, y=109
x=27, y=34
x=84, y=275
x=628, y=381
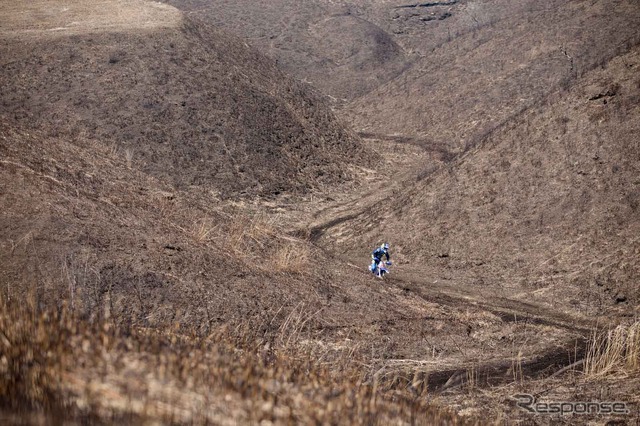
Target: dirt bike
x=381, y=270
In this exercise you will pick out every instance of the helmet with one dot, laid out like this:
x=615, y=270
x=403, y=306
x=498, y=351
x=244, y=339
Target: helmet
x=385, y=246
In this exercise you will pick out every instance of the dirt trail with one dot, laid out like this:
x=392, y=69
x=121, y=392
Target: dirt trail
x=404, y=157
x=456, y=292
x=509, y=310
x=493, y=371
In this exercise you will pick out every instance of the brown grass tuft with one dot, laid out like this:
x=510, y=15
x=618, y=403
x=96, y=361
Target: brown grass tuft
x=292, y=257
x=202, y=230
x=616, y=351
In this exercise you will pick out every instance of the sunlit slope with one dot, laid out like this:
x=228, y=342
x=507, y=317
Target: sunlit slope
x=186, y=102
x=545, y=205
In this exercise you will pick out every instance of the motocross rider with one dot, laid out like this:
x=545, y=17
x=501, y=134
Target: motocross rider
x=377, y=255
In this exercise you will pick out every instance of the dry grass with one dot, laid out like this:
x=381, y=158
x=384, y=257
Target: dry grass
x=203, y=229
x=246, y=236
x=516, y=368
x=472, y=378
x=615, y=352
x=81, y=16
x=128, y=155
x=258, y=241
x=293, y=257
x=52, y=360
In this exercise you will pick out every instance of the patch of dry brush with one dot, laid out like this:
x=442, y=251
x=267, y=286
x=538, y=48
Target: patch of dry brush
x=53, y=363
x=615, y=352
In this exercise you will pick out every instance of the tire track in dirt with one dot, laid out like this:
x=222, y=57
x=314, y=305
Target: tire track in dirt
x=544, y=363
x=359, y=202
x=509, y=310
x=497, y=372
x=506, y=371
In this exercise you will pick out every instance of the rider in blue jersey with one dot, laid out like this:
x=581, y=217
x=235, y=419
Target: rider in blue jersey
x=377, y=255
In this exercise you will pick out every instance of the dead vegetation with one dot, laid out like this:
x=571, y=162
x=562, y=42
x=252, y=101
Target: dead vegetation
x=53, y=361
x=554, y=193
x=615, y=352
x=293, y=257
x=213, y=276
x=238, y=125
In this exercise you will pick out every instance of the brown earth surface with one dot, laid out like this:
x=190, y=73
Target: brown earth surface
x=440, y=73
x=185, y=228
x=544, y=208
x=183, y=101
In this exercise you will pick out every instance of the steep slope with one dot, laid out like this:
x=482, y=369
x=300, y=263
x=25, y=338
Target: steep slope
x=122, y=298
x=86, y=224
x=84, y=233
x=187, y=103
x=440, y=74
x=544, y=207
x=330, y=44
x=79, y=225
x=489, y=61
x=130, y=290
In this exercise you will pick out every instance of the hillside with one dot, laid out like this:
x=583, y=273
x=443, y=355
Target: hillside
x=543, y=208
x=120, y=284
x=440, y=74
x=189, y=196
x=118, y=291
x=80, y=227
x=185, y=102
x=488, y=62
x=329, y=44
x=112, y=228
x=506, y=99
